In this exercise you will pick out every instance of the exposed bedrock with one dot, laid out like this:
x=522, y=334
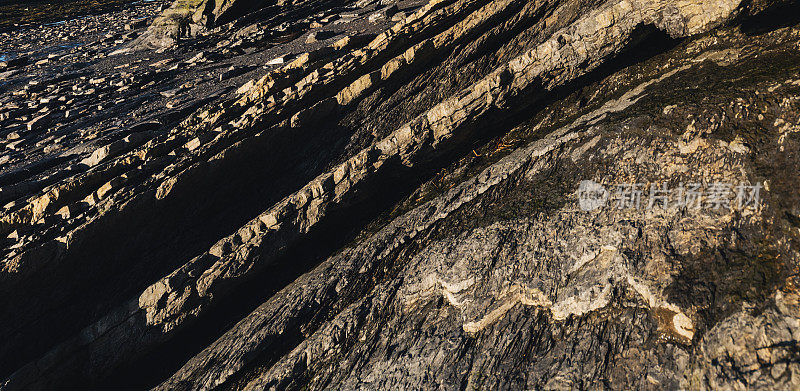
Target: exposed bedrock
x=402, y=211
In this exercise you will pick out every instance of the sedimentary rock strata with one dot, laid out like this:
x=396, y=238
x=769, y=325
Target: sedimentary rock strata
x=395, y=202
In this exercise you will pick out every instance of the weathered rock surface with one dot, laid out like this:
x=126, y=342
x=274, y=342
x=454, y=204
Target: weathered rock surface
x=395, y=204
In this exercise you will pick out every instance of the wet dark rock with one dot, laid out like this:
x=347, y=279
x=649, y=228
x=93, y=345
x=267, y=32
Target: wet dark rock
x=37, y=122
x=136, y=24
x=13, y=63
x=319, y=36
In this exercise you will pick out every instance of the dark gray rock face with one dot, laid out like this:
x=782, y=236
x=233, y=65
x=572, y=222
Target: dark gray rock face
x=411, y=209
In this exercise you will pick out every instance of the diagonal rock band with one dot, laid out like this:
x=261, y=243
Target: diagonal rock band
x=420, y=195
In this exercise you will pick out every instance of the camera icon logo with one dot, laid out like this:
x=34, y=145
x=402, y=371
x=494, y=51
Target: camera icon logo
x=591, y=195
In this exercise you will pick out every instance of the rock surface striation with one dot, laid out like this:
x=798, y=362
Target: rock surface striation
x=388, y=195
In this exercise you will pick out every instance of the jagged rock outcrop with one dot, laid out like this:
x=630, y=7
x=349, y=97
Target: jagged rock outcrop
x=188, y=18
x=402, y=211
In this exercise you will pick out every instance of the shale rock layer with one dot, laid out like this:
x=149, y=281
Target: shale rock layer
x=402, y=209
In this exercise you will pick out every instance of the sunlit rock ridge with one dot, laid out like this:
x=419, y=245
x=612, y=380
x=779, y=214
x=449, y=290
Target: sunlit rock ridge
x=388, y=195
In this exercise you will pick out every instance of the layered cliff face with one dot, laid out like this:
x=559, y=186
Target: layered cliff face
x=405, y=205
